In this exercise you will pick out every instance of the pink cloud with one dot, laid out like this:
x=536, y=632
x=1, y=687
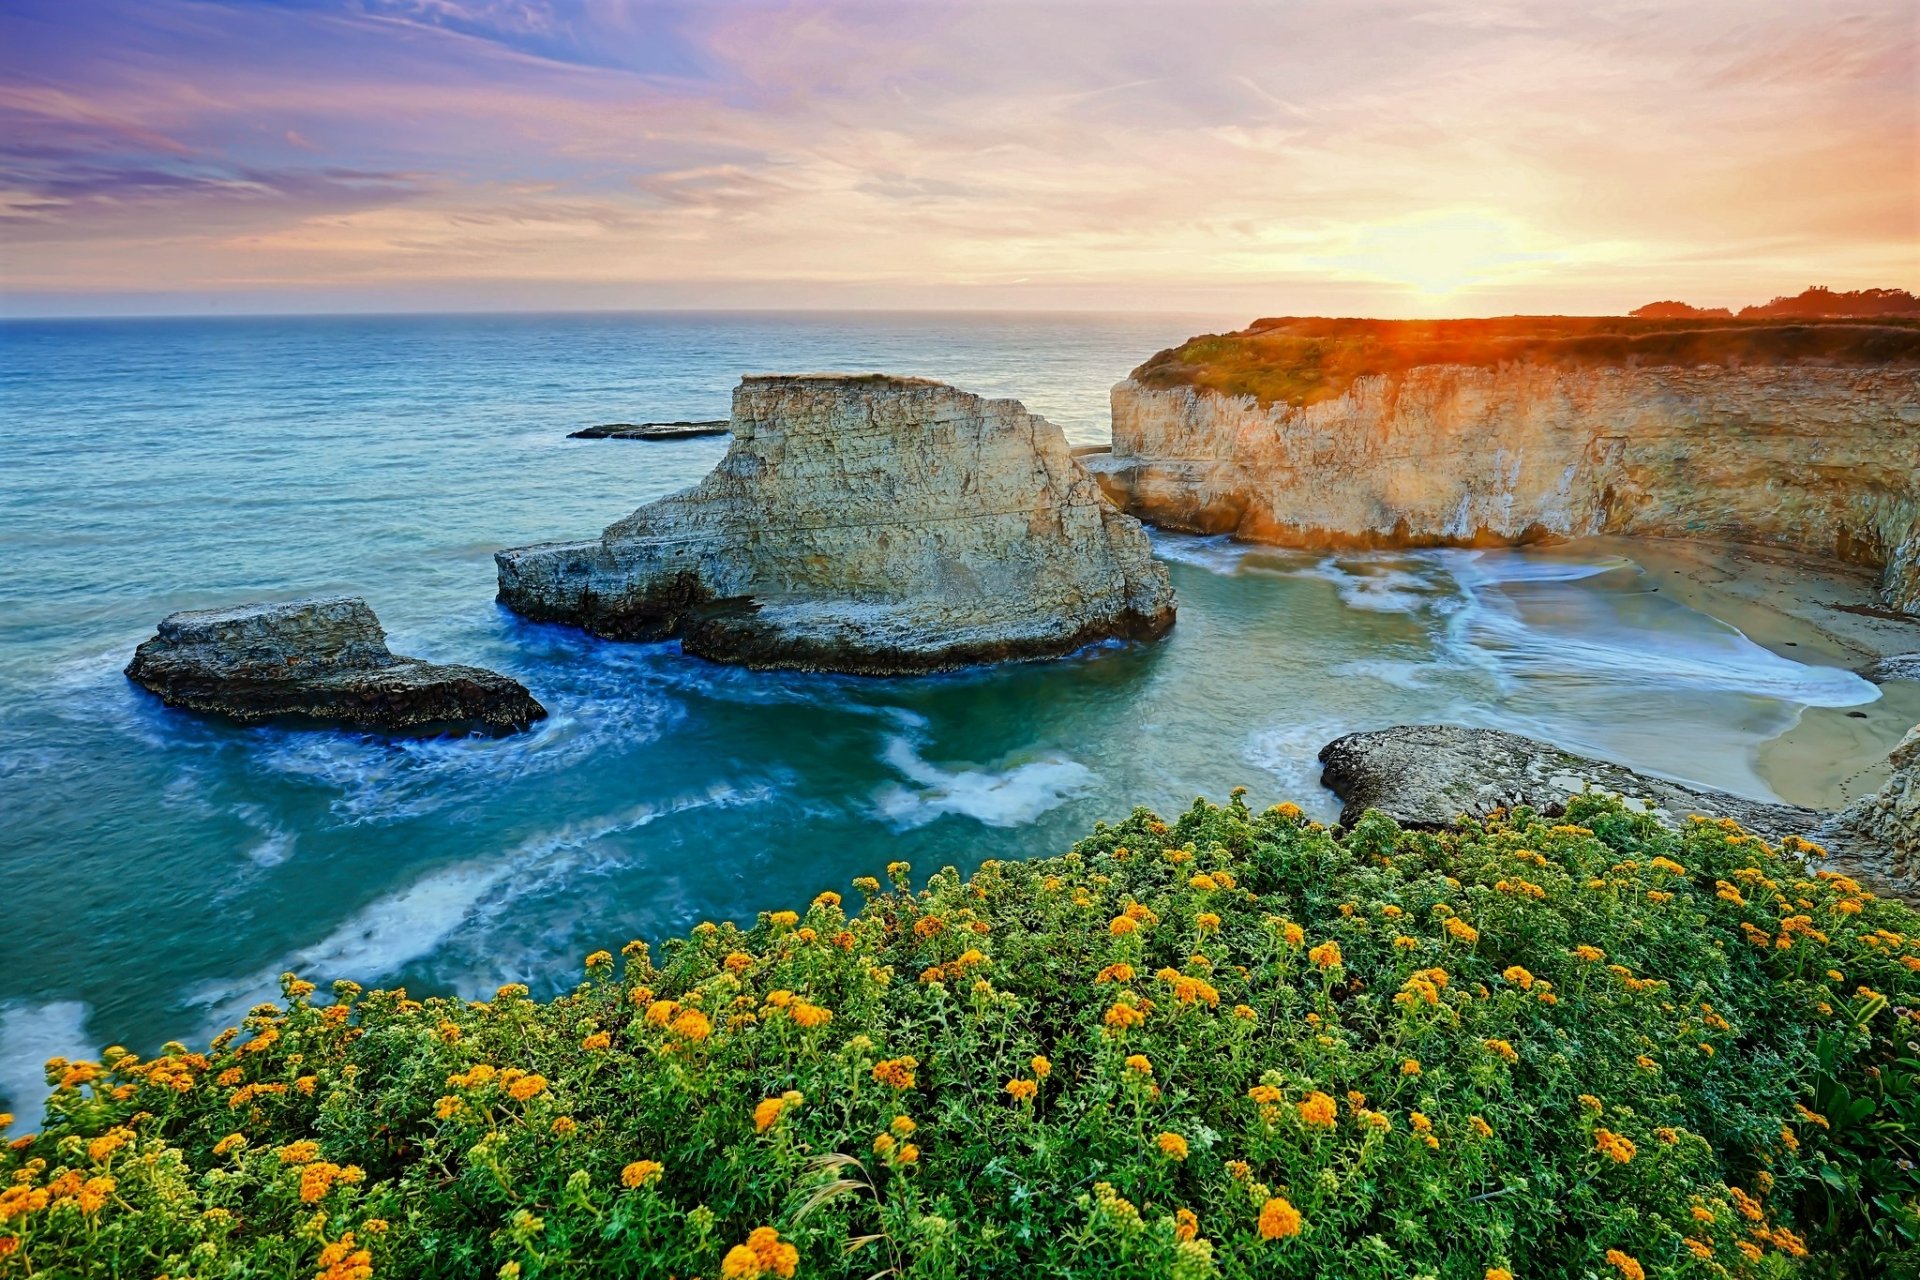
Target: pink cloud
x=1734, y=146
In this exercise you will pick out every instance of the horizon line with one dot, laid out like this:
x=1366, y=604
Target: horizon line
x=428, y=313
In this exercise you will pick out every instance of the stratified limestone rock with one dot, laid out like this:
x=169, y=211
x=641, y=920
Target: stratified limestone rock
x=867, y=524
x=1885, y=826
x=322, y=660
x=1429, y=775
x=1817, y=459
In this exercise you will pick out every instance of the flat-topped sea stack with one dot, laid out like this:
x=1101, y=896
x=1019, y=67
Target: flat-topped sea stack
x=320, y=661
x=866, y=524
x=1381, y=433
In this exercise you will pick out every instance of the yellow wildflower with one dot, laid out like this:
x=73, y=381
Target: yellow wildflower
x=1317, y=1110
x=896, y=1073
x=1626, y=1265
x=1279, y=1219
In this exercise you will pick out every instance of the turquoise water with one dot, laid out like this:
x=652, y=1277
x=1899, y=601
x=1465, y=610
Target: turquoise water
x=159, y=870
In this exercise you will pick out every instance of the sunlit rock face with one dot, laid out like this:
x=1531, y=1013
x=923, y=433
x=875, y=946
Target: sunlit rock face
x=1824, y=460
x=868, y=524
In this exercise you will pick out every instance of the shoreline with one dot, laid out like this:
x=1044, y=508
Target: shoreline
x=1809, y=610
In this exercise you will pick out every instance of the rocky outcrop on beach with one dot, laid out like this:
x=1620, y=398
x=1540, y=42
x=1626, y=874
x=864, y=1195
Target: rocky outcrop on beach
x=868, y=524
x=1885, y=826
x=319, y=661
x=1898, y=666
x=1430, y=775
x=650, y=430
x=1815, y=456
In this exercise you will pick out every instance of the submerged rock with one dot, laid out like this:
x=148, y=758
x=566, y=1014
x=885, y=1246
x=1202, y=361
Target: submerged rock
x=650, y=430
x=319, y=660
x=867, y=524
x=1429, y=775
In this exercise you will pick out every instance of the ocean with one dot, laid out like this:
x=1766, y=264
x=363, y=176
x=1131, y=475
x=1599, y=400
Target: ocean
x=159, y=871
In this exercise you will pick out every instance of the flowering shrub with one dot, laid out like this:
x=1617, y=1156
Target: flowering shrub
x=1237, y=1045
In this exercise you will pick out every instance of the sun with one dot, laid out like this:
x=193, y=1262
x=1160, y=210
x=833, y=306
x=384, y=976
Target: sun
x=1438, y=255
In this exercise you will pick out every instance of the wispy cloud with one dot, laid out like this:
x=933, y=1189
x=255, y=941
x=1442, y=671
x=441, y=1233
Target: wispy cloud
x=1401, y=154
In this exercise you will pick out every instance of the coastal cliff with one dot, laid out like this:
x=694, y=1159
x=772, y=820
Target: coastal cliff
x=1434, y=443
x=867, y=524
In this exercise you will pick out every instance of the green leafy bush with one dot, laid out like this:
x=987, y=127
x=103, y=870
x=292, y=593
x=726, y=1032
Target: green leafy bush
x=1236, y=1045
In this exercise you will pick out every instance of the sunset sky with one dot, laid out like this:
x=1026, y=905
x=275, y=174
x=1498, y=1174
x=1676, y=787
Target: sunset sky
x=1334, y=156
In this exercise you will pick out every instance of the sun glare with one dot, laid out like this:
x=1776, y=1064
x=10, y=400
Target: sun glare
x=1438, y=255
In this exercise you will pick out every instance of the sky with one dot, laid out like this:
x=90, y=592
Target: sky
x=1374, y=157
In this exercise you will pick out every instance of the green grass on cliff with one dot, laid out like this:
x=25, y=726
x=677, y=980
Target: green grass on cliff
x=1303, y=361
x=1235, y=1044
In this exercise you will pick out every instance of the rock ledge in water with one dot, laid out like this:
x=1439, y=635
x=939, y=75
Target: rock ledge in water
x=1428, y=775
x=324, y=659
x=867, y=524
x=650, y=430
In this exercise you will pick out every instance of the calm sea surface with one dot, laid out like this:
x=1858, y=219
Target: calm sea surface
x=158, y=871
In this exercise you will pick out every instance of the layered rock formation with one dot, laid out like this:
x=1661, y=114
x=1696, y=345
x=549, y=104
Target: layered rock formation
x=1820, y=456
x=320, y=660
x=1428, y=775
x=868, y=524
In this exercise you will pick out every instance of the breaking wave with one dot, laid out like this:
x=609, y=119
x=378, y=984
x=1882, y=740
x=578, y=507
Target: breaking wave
x=1009, y=797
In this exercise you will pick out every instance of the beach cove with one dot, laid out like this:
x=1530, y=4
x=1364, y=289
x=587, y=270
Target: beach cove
x=165, y=465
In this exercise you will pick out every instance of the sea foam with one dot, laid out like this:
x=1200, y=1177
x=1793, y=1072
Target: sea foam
x=29, y=1035
x=1007, y=797
x=412, y=922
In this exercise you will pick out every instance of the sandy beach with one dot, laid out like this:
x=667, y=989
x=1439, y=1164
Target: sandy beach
x=1812, y=611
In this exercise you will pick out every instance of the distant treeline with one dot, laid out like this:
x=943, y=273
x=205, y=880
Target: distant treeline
x=1818, y=301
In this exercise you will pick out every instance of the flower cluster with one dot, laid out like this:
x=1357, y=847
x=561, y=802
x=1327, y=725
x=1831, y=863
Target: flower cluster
x=1229, y=1044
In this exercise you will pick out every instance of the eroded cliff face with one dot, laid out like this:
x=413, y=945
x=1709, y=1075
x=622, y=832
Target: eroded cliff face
x=868, y=524
x=1824, y=460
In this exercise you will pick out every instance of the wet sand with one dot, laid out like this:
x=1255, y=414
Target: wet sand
x=1811, y=611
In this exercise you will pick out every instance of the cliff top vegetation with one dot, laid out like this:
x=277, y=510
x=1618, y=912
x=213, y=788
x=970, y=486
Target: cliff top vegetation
x=1304, y=360
x=1233, y=1044
x=1815, y=302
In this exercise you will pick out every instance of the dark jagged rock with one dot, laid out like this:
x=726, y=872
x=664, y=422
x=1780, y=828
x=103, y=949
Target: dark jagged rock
x=866, y=524
x=319, y=660
x=651, y=430
x=1429, y=775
